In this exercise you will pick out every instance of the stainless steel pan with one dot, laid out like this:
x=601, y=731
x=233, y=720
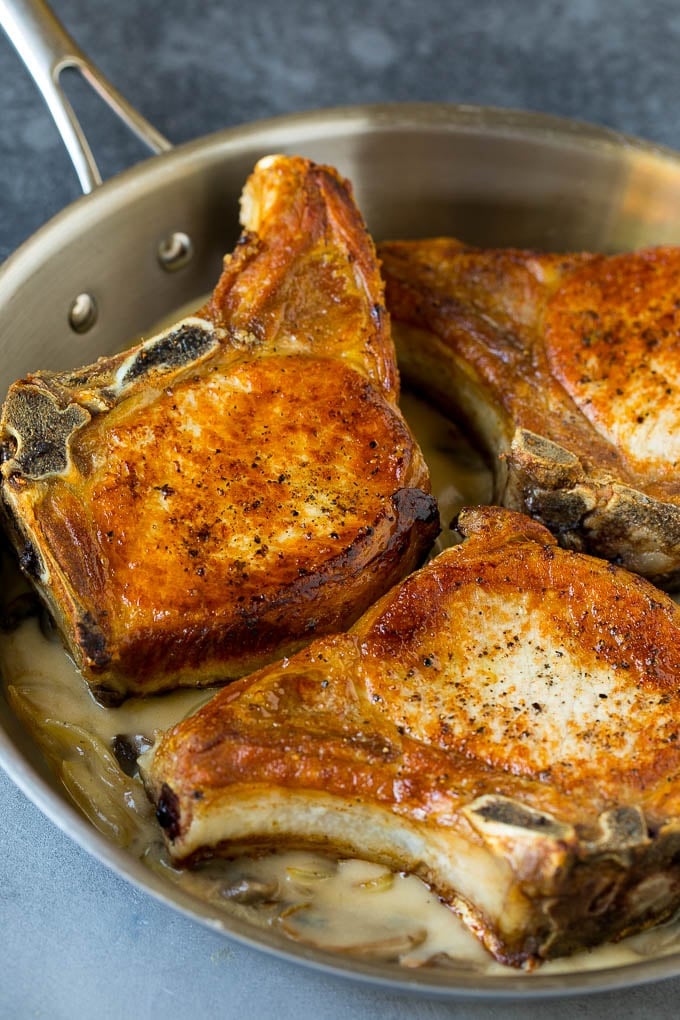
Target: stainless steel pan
x=152, y=239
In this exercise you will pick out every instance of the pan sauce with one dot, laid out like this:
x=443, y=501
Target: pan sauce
x=346, y=906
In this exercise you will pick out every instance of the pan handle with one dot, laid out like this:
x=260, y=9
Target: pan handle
x=47, y=49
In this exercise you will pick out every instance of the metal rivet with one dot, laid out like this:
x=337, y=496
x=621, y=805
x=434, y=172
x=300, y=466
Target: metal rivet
x=82, y=314
x=175, y=251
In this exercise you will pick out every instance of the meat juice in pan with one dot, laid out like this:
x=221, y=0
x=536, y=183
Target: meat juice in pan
x=307, y=896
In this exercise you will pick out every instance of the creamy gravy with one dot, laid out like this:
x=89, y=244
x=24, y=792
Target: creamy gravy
x=347, y=906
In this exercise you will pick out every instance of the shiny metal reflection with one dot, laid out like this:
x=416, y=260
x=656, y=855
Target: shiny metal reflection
x=489, y=176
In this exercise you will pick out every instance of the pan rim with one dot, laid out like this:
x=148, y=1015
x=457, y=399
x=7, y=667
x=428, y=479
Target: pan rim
x=134, y=183
x=418, y=116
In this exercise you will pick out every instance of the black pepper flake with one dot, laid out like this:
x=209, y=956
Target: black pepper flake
x=29, y=560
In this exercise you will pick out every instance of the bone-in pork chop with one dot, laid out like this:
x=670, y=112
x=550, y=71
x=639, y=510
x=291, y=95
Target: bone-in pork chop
x=568, y=370
x=226, y=490
x=505, y=723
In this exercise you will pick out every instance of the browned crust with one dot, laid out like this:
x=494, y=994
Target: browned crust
x=221, y=493
x=591, y=840
x=565, y=368
x=323, y=282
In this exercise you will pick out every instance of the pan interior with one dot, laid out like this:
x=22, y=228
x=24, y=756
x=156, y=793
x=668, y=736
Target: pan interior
x=490, y=177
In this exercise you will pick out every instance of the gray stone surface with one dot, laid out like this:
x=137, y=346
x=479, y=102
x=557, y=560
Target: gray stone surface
x=76, y=940
x=195, y=68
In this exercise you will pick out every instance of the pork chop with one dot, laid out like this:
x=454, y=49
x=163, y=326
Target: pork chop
x=567, y=368
x=505, y=723
x=219, y=494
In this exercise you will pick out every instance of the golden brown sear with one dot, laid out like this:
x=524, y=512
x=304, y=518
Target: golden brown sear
x=567, y=367
x=222, y=492
x=504, y=723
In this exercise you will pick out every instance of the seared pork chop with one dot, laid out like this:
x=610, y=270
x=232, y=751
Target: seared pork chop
x=568, y=370
x=217, y=495
x=505, y=723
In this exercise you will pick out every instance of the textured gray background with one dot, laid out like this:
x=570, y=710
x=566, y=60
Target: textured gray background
x=76, y=941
